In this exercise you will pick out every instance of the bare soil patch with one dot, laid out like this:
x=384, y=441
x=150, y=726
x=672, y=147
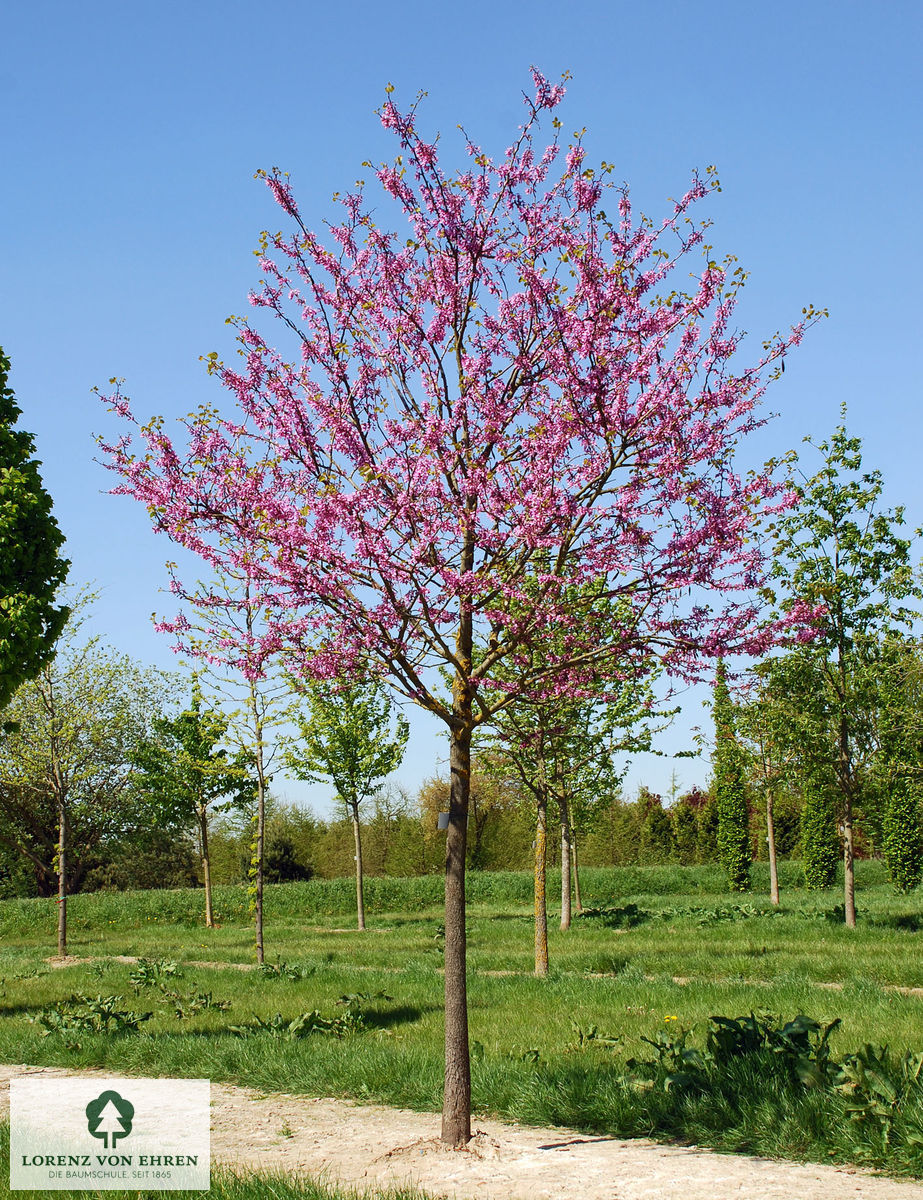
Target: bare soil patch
x=370, y=1146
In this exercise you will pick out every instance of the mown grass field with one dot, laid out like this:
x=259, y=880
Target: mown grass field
x=673, y=951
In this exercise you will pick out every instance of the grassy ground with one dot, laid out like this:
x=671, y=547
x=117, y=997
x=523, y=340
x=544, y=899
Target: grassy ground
x=671, y=952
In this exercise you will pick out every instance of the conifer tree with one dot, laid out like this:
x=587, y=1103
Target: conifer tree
x=730, y=790
x=31, y=570
x=819, y=835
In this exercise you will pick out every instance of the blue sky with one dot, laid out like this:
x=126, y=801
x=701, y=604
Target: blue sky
x=128, y=208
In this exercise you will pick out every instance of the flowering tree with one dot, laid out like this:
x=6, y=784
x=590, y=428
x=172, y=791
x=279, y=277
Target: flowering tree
x=498, y=396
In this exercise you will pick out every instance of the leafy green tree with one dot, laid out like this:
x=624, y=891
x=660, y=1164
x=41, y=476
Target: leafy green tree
x=707, y=830
x=656, y=831
x=769, y=725
x=819, y=836
x=730, y=790
x=185, y=774
x=31, y=570
x=840, y=551
x=66, y=751
x=564, y=752
x=225, y=634
x=347, y=739
x=684, y=832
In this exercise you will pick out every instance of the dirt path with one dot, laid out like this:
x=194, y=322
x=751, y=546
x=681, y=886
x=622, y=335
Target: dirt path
x=57, y=963
x=367, y=1146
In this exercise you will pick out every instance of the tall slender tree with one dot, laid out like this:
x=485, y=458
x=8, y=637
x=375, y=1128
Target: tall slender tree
x=31, y=569
x=221, y=630
x=771, y=735
x=185, y=775
x=898, y=765
x=506, y=381
x=841, y=550
x=730, y=788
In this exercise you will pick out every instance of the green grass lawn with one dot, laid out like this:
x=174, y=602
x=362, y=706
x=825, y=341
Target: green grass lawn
x=672, y=952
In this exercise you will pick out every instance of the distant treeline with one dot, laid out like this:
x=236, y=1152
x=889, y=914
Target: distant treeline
x=401, y=839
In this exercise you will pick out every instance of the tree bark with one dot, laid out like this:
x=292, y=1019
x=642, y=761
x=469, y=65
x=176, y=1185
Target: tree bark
x=771, y=845
x=565, y=865
x=456, y=1106
x=360, y=894
x=541, y=911
x=258, y=864
x=845, y=780
x=206, y=868
x=577, y=896
x=259, y=841
x=849, y=875
x=62, y=881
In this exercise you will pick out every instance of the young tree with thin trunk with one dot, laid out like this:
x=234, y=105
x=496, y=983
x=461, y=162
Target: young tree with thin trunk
x=346, y=739
x=507, y=381
x=770, y=733
x=185, y=775
x=563, y=753
x=839, y=549
x=223, y=632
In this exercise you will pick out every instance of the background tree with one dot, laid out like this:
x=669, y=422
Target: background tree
x=730, y=788
x=224, y=635
x=501, y=828
x=185, y=775
x=839, y=550
x=656, y=830
x=562, y=749
x=769, y=730
x=68, y=742
x=684, y=831
x=31, y=570
x=507, y=381
x=820, y=840
x=898, y=768
x=347, y=740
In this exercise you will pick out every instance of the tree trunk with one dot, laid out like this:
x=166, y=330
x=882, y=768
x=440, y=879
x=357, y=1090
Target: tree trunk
x=259, y=840
x=206, y=868
x=258, y=865
x=577, y=896
x=541, y=911
x=456, y=1105
x=565, y=865
x=845, y=780
x=771, y=845
x=360, y=895
x=62, y=882
x=849, y=875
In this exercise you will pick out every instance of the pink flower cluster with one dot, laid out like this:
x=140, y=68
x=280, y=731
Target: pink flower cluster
x=507, y=398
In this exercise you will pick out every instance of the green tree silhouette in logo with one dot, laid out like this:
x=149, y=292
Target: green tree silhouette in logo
x=109, y=1116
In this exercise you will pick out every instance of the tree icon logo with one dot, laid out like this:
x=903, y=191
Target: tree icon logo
x=109, y=1117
